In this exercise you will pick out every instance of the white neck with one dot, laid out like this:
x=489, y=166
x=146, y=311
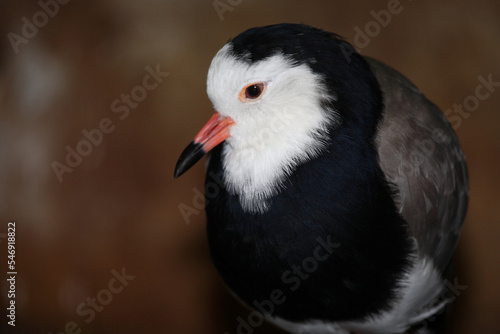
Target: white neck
x=272, y=136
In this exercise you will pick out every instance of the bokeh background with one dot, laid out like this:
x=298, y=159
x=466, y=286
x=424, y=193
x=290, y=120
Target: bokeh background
x=118, y=209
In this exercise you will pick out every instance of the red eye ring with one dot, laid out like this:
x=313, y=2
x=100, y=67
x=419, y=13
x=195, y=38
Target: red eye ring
x=252, y=92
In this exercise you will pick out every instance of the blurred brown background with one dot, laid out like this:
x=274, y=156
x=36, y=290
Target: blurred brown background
x=119, y=206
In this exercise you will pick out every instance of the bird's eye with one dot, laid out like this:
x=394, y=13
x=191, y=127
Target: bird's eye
x=252, y=92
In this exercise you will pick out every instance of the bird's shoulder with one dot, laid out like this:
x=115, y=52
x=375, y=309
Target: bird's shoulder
x=420, y=155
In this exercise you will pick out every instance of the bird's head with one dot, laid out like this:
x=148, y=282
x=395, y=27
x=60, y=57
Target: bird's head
x=279, y=92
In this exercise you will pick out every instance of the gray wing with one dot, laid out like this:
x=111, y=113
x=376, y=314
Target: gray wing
x=420, y=154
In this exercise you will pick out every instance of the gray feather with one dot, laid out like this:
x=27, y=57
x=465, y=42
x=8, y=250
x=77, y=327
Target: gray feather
x=420, y=154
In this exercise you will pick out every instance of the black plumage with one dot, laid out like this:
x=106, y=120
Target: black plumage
x=388, y=189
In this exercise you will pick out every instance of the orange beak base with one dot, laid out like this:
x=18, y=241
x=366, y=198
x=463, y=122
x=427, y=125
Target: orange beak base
x=212, y=134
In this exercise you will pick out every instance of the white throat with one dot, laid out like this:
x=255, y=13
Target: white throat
x=273, y=135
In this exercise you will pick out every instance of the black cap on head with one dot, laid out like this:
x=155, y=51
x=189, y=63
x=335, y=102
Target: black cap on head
x=345, y=72
x=301, y=42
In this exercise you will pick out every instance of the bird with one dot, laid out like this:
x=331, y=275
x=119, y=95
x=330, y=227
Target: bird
x=335, y=192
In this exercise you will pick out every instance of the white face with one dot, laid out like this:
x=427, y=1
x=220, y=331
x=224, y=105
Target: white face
x=284, y=126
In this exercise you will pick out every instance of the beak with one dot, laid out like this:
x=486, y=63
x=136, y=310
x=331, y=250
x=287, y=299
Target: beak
x=212, y=134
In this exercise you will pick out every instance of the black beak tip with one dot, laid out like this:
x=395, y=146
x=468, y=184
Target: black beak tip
x=178, y=171
x=190, y=156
